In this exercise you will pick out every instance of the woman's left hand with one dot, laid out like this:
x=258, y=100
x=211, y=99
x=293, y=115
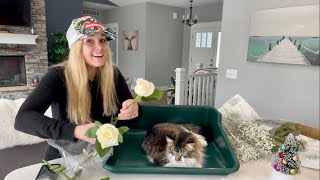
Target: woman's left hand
x=129, y=110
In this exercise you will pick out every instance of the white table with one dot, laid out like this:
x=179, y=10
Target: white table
x=30, y=173
x=253, y=170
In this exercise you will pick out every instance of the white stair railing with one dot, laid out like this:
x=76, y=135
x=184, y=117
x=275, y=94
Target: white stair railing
x=195, y=89
x=180, y=86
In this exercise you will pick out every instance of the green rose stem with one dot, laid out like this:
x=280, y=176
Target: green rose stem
x=156, y=95
x=135, y=100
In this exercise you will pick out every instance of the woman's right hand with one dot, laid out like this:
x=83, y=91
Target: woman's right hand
x=80, y=130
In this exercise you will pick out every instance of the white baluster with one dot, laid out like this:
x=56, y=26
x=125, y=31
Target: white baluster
x=203, y=88
x=190, y=91
x=180, y=85
x=199, y=84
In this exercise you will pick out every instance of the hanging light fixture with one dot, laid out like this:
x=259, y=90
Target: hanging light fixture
x=189, y=19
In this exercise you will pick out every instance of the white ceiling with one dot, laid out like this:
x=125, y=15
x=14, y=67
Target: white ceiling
x=175, y=3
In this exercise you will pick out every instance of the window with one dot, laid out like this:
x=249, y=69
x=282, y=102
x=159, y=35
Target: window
x=91, y=12
x=204, y=39
x=198, y=40
x=209, y=40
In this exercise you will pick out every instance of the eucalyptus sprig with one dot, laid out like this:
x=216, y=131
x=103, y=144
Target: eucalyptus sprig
x=60, y=170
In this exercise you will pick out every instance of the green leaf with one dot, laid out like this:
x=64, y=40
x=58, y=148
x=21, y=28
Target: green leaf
x=77, y=173
x=120, y=138
x=59, y=169
x=284, y=130
x=58, y=50
x=55, y=166
x=98, y=124
x=101, y=152
x=91, y=132
x=156, y=95
x=279, y=134
x=123, y=129
x=107, y=178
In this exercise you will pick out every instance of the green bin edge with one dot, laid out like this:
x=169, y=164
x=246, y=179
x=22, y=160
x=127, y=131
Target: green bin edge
x=154, y=114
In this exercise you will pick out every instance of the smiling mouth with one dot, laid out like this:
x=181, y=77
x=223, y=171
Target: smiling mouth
x=97, y=56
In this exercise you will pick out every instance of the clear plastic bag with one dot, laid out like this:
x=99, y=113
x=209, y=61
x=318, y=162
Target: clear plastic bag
x=79, y=156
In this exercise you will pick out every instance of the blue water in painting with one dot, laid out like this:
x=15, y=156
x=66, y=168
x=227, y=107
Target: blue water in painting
x=312, y=44
x=258, y=45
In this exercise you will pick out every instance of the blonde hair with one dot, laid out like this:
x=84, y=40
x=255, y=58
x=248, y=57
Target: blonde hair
x=77, y=84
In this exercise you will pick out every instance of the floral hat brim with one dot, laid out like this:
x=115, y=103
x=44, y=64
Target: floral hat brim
x=83, y=27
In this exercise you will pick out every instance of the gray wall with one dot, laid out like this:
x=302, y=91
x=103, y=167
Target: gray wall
x=60, y=13
x=276, y=91
x=160, y=41
x=131, y=63
x=163, y=43
x=205, y=14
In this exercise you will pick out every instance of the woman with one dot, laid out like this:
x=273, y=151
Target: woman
x=85, y=88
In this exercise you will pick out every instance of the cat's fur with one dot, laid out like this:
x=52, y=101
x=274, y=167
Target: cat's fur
x=175, y=145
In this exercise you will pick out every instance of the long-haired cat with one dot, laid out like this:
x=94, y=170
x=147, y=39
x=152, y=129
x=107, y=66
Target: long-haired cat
x=175, y=145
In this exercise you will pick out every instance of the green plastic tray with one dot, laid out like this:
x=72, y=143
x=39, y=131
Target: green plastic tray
x=129, y=157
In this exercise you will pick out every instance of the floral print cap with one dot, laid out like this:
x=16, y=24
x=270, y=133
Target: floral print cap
x=85, y=26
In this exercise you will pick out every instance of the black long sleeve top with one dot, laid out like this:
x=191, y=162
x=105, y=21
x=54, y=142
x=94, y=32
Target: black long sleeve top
x=52, y=91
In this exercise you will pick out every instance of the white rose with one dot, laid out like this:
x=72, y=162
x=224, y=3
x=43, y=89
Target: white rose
x=144, y=88
x=107, y=135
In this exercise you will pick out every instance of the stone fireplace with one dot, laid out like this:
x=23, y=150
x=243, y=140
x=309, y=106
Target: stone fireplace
x=12, y=71
x=23, y=54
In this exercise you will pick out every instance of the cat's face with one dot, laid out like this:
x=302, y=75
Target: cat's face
x=181, y=147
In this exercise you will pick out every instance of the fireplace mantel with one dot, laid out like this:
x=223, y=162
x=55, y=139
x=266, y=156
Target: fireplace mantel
x=9, y=38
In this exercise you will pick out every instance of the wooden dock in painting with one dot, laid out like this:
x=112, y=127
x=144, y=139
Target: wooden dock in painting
x=284, y=52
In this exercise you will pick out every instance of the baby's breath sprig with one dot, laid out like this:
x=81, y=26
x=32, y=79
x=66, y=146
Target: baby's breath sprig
x=248, y=139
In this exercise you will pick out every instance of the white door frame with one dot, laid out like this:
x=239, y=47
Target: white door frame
x=115, y=26
x=214, y=24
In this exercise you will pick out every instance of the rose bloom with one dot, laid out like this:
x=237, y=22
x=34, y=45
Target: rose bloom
x=144, y=88
x=107, y=135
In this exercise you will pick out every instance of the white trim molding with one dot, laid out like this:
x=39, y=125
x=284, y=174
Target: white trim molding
x=8, y=38
x=207, y=24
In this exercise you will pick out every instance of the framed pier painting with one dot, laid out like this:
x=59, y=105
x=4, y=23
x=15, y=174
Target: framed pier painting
x=286, y=35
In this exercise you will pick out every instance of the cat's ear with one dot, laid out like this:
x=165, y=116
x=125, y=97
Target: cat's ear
x=191, y=146
x=169, y=140
x=203, y=142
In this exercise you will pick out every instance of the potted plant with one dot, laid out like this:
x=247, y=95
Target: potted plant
x=58, y=50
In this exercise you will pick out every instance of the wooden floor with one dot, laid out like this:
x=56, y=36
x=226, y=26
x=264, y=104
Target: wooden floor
x=311, y=132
